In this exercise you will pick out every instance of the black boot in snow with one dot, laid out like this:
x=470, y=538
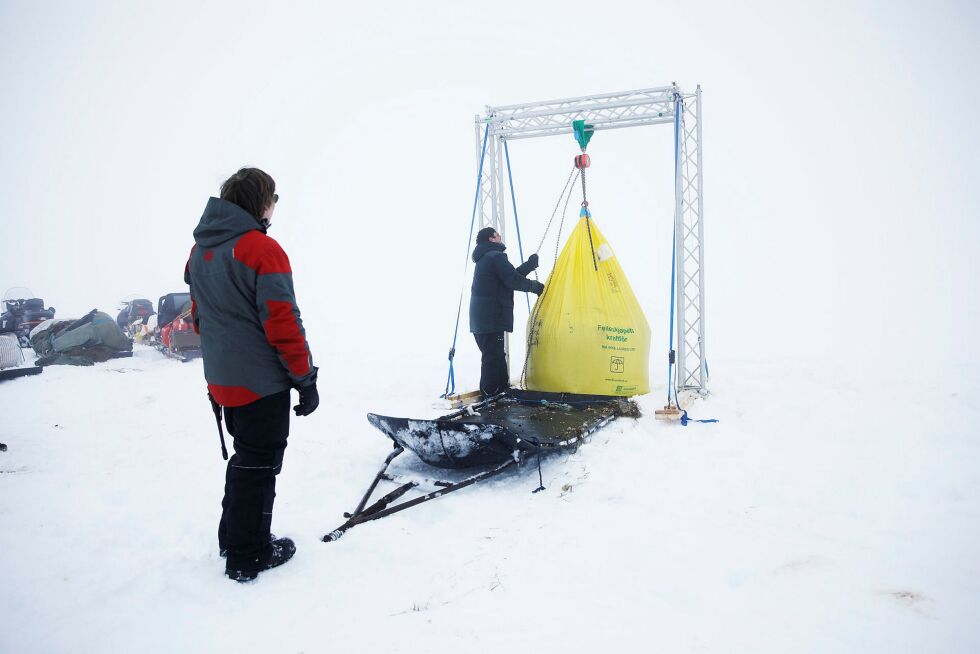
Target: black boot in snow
x=276, y=553
x=223, y=551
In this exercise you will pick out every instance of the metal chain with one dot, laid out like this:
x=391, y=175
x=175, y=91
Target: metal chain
x=588, y=223
x=566, y=193
x=569, y=181
x=564, y=212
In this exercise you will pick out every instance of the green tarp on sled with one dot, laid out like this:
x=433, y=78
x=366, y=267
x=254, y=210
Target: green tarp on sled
x=82, y=342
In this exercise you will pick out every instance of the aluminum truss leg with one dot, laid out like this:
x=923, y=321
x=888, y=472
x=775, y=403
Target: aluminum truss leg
x=689, y=235
x=492, y=203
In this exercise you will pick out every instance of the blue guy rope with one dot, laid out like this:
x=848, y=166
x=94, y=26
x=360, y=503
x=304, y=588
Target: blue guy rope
x=451, y=377
x=686, y=419
x=673, y=254
x=513, y=200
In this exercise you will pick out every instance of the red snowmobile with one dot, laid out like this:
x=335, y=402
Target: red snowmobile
x=174, y=333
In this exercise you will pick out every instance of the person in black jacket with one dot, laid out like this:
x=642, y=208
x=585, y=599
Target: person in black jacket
x=492, y=304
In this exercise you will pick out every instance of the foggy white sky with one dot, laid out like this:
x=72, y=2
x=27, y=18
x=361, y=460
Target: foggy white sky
x=841, y=157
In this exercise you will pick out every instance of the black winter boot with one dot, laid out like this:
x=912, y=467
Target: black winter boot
x=223, y=551
x=275, y=554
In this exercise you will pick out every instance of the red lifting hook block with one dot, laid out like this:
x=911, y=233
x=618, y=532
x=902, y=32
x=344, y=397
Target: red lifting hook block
x=582, y=161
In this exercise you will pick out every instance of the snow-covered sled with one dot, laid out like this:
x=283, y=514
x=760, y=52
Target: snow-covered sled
x=12, y=362
x=487, y=437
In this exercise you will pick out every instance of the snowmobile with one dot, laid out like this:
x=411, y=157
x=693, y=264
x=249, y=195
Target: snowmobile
x=174, y=334
x=133, y=312
x=22, y=313
x=483, y=439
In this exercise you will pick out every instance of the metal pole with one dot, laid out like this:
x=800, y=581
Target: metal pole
x=701, y=330
x=499, y=205
x=477, y=124
x=558, y=105
x=679, y=367
x=500, y=216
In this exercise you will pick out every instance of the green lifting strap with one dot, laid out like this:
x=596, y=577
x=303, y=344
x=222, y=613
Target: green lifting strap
x=583, y=133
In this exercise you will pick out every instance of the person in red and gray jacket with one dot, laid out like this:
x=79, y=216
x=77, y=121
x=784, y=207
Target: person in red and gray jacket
x=255, y=351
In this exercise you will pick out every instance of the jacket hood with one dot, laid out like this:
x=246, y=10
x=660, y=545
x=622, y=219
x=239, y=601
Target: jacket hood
x=223, y=221
x=482, y=249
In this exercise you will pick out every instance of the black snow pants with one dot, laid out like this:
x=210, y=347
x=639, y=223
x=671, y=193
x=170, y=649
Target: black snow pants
x=260, y=430
x=493, y=365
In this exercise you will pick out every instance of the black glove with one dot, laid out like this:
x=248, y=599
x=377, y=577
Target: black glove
x=537, y=287
x=309, y=400
x=533, y=261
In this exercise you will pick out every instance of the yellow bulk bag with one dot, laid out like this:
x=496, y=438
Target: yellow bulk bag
x=587, y=333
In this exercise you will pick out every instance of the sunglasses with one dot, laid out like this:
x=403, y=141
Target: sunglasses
x=275, y=198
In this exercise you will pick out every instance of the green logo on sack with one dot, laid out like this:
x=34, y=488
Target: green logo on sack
x=617, y=334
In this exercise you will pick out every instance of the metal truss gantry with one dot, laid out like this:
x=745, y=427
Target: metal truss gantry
x=661, y=105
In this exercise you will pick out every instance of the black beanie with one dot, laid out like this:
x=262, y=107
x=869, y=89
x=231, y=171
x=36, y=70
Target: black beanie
x=484, y=234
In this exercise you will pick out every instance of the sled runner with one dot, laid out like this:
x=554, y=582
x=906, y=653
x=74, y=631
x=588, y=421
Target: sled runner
x=487, y=437
x=14, y=373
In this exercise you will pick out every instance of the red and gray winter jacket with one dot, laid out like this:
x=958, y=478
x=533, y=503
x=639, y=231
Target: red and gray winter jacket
x=244, y=308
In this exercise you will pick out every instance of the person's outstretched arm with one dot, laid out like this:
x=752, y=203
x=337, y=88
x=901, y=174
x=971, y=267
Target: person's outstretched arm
x=528, y=266
x=513, y=279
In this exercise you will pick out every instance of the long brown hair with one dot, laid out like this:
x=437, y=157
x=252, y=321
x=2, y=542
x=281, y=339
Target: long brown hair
x=251, y=189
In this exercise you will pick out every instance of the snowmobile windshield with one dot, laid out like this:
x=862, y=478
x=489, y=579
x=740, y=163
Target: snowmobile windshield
x=170, y=306
x=16, y=295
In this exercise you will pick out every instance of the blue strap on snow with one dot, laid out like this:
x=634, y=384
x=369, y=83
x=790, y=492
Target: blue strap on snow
x=686, y=419
x=513, y=200
x=451, y=377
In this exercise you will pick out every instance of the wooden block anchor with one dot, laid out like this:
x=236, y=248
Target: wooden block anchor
x=669, y=413
x=462, y=399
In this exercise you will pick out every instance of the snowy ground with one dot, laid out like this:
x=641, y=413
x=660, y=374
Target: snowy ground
x=815, y=517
